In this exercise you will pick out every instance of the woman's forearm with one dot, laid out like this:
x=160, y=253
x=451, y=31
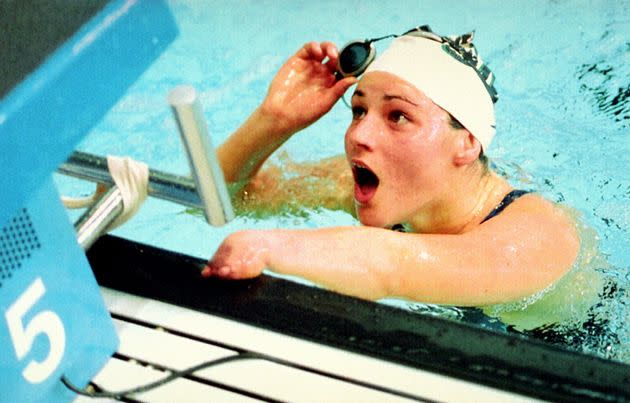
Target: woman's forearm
x=303, y=90
x=352, y=260
x=375, y=263
x=244, y=152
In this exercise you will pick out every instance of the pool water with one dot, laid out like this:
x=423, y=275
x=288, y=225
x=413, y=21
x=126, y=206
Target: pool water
x=563, y=130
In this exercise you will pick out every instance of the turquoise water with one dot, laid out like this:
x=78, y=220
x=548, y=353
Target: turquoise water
x=563, y=118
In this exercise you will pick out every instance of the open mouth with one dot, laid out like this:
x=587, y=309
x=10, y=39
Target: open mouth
x=366, y=182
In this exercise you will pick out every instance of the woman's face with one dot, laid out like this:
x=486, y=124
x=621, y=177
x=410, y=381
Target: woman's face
x=399, y=146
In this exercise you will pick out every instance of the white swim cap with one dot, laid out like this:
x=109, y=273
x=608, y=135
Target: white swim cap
x=451, y=84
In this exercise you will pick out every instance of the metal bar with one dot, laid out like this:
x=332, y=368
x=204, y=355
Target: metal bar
x=203, y=161
x=98, y=218
x=175, y=188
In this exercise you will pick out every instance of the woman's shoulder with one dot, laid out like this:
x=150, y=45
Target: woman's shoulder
x=537, y=207
x=531, y=209
x=542, y=232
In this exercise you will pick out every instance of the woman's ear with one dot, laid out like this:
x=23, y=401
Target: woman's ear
x=468, y=149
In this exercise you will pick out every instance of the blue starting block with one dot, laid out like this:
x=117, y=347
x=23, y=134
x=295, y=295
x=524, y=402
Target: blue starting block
x=52, y=319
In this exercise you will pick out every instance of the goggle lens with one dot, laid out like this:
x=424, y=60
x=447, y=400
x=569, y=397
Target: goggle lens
x=354, y=58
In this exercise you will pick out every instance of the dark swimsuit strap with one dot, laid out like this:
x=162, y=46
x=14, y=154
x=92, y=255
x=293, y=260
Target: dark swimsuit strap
x=507, y=200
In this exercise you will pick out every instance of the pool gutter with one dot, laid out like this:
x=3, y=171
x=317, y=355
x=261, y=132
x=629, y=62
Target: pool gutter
x=505, y=361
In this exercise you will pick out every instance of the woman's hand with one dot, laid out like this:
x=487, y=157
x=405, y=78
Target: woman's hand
x=302, y=91
x=305, y=87
x=242, y=255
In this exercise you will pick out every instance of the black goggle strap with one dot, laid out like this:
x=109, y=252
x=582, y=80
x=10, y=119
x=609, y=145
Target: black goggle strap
x=424, y=31
x=368, y=41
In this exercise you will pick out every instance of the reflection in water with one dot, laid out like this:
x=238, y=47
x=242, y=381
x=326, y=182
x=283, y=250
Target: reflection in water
x=596, y=80
x=305, y=188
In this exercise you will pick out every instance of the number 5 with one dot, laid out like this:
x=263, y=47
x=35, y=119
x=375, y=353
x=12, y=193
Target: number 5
x=46, y=322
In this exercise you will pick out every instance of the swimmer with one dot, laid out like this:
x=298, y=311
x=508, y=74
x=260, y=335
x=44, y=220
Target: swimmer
x=422, y=120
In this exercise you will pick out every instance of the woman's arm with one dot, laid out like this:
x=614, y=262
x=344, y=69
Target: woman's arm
x=514, y=255
x=302, y=91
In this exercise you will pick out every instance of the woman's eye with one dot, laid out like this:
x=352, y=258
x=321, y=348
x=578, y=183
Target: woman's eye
x=357, y=112
x=398, y=117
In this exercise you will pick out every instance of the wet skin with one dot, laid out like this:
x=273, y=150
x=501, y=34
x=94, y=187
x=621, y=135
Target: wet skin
x=403, y=138
x=409, y=166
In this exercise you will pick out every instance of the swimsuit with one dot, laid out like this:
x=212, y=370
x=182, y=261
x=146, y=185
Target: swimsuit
x=507, y=200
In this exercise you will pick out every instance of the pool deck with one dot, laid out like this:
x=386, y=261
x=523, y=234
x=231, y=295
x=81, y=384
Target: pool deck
x=157, y=337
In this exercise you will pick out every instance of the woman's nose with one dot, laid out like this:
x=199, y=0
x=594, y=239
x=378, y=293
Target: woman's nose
x=363, y=134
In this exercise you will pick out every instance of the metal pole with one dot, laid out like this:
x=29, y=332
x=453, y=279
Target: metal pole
x=203, y=161
x=99, y=217
x=175, y=188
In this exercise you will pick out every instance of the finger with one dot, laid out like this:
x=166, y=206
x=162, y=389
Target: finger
x=314, y=51
x=330, y=51
x=209, y=271
x=342, y=86
x=224, y=271
x=332, y=66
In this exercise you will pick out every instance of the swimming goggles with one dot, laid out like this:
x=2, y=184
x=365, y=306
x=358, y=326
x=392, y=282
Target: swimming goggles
x=356, y=56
